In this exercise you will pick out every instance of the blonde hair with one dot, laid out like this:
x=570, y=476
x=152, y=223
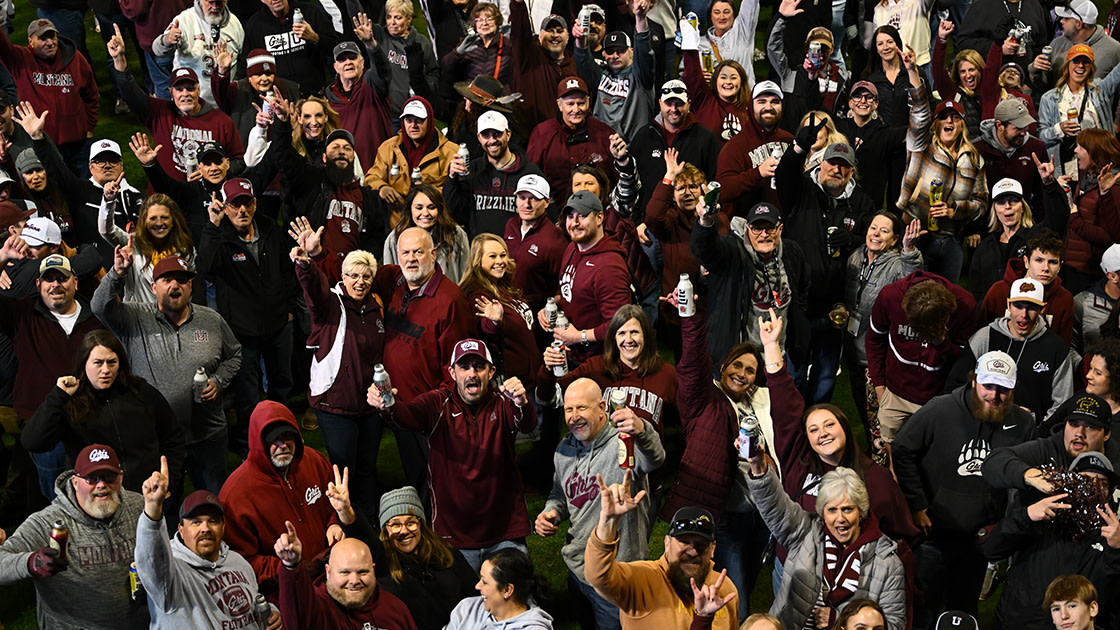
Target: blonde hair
x=834, y=134
x=475, y=279
x=972, y=57
x=1026, y=219
x=403, y=7
x=360, y=258
x=333, y=122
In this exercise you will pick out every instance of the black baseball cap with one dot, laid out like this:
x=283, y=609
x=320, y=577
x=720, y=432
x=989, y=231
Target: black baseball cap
x=693, y=520
x=764, y=213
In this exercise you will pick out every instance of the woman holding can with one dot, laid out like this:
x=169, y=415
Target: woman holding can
x=1077, y=102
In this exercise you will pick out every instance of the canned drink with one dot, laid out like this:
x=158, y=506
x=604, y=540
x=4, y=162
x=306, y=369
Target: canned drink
x=707, y=60
x=261, y=611
x=383, y=385
x=60, y=536
x=833, y=252
x=1071, y=113
x=134, y=585
x=750, y=438
x=266, y=103
x=936, y=195
x=560, y=371
x=465, y=154
x=1047, y=51
x=585, y=20
x=693, y=20
x=815, y=56
x=777, y=155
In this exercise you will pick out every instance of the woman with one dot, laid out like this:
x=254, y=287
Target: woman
x=963, y=82
x=721, y=103
x=507, y=321
x=861, y=614
x=875, y=143
x=731, y=37
x=394, y=40
x=411, y=561
x=886, y=72
x=488, y=51
x=828, y=135
x=313, y=119
x=161, y=231
x=1094, y=224
x=103, y=402
x=939, y=151
x=48, y=200
x=1103, y=359
x=1075, y=93
x=870, y=268
x=347, y=337
x=836, y=554
x=911, y=18
x=509, y=596
x=425, y=208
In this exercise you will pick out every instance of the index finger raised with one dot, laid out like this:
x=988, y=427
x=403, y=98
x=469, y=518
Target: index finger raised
x=163, y=465
x=291, y=529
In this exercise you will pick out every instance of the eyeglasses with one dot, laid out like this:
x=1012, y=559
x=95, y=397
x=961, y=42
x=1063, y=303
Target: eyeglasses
x=93, y=480
x=365, y=277
x=98, y=162
x=485, y=20
x=770, y=229
x=865, y=97
x=413, y=525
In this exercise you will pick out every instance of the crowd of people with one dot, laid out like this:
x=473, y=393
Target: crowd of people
x=478, y=224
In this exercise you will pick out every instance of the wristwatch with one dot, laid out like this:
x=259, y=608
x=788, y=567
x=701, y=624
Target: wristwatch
x=583, y=334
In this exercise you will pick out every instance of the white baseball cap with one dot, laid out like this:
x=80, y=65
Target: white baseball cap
x=1027, y=290
x=492, y=120
x=996, y=368
x=41, y=231
x=766, y=87
x=1110, y=261
x=534, y=184
x=104, y=146
x=414, y=108
x=1006, y=186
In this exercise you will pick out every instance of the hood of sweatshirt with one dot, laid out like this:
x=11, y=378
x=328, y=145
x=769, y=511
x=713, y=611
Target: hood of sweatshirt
x=988, y=135
x=195, y=561
x=1016, y=269
x=201, y=13
x=606, y=245
x=1001, y=325
x=265, y=415
x=65, y=55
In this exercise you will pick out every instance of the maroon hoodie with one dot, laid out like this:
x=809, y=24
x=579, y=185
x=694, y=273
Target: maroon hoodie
x=304, y=604
x=152, y=17
x=1059, y=301
x=594, y=284
x=64, y=85
x=719, y=116
x=737, y=169
x=537, y=74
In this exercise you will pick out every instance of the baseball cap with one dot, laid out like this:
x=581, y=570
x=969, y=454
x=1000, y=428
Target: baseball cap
x=200, y=500
x=104, y=146
x=183, y=75
x=172, y=264
x=1006, y=186
x=414, y=108
x=97, y=458
x=766, y=87
x=946, y=107
x=616, y=39
x=56, y=262
x=27, y=161
x=211, y=148
x=1012, y=111
x=468, y=347
x=567, y=85
x=492, y=121
x=956, y=620
x=340, y=133
x=236, y=188
x=260, y=61
x=864, y=86
x=764, y=213
x=41, y=231
x=11, y=214
x=553, y=19
x=38, y=27
x=594, y=9
x=1027, y=290
x=1094, y=461
x=345, y=47
x=1083, y=10
x=996, y=368
x=534, y=184
x=1110, y=261
x=584, y=202
x=1080, y=50
x=819, y=34
x=693, y=520
x=674, y=88
x=1092, y=409
x=273, y=431
x=840, y=151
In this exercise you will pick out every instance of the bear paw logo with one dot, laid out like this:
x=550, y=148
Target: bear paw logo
x=731, y=126
x=972, y=457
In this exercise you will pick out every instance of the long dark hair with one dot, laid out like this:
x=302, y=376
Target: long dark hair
x=852, y=608
x=852, y=457
x=443, y=233
x=649, y=361
x=512, y=566
x=739, y=350
x=873, y=59
x=82, y=400
x=1108, y=348
x=431, y=550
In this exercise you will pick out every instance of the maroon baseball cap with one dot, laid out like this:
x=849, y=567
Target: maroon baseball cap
x=183, y=75
x=200, y=500
x=172, y=264
x=468, y=347
x=571, y=84
x=948, y=107
x=236, y=188
x=10, y=214
x=97, y=458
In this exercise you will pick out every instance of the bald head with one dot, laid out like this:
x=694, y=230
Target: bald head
x=350, y=579
x=585, y=413
x=417, y=256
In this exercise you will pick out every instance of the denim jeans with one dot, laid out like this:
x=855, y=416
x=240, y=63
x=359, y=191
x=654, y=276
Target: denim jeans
x=592, y=611
x=353, y=442
x=50, y=465
x=476, y=556
x=943, y=255
x=740, y=540
x=825, y=345
x=70, y=24
x=206, y=462
x=159, y=74
x=275, y=352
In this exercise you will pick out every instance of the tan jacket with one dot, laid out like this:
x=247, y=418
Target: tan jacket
x=433, y=168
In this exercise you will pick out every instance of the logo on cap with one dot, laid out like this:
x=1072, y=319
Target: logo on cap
x=1087, y=405
x=470, y=345
x=1026, y=286
x=998, y=364
x=97, y=455
x=572, y=84
x=104, y=145
x=181, y=72
x=244, y=185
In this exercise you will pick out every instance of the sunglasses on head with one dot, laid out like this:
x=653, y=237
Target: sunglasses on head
x=700, y=524
x=673, y=90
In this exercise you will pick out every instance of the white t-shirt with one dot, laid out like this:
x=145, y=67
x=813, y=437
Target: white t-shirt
x=69, y=321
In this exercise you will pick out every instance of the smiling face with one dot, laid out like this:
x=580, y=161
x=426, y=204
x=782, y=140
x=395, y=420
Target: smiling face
x=397, y=23
x=312, y=119
x=202, y=533
x=728, y=83
x=738, y=376
x=357, y=281
x=689, y=556
x=1043, y=266
x=350, y=579
x=495, y=259
x=425, y=214
x=99, y=496
x=968, y=75
x=863, y=103
x=187, y=97
x=1082, y=156
x=886, y=47
x=1079, y=70
x=277, y=7
x=472, y=378
x=1024, y=315
x=102, y=367
x=673, y=112
x=630, y=342
x=1080, y=437
x=722, y=17
x=404, y=532
x=495, y=143
x=584, y=230
x=57, y=291
x=841, y=518
x=949, y=128
x=1073, y=614
x=767, y=110
x=880, y=235
x=349, y=66
x=574, y=108
x=826, y=435
x=158, y=222
x=584, y=410
x=214, y=168
x=554, y=40
x=1097, y=380
x=494, y=596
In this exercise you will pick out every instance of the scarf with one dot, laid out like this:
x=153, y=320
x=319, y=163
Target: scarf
x=842, y=569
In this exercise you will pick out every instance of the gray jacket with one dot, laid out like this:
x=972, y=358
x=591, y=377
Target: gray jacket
x=860, y=292
x=881, y=576
x=575, y=492
x=187, y=591
x=623, y=101
x=1090, y=308
x=167, y=357
x=1106, y=55
x=93, y=592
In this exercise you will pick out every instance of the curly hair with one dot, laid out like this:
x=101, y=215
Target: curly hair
x=1108, y=349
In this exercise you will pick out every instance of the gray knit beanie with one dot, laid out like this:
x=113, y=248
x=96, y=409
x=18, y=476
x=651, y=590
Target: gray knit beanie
x=399, y=503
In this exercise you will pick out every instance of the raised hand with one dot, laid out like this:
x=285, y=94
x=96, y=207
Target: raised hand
x=1047, y=508
x=15, y=248
x=115, y=48
x=363, y=28
x=673, y=166
x=913, y=232
x=143, y=150
x=639, y=8
x=788, y=8
x=281, y=106
x=770, y=332
x=5, y=147
x=288, y=547
x=112, y=189
x=155, y=490
x=216, y=209
x=706, y=599
x=173, y=35
x=628, y=422
x=908, y=58
x=490, y=309
x=1111, y=529
x=31, y=123
x=122, y=257
x=304, y=31
x=223, y=56
x=1045, y=169
x=469, y=43
x=615, y=500
x=68, y=384
x=515, y=391
x=338, y=493
x=944, y=29
x=618, y=148
x=1106, y=178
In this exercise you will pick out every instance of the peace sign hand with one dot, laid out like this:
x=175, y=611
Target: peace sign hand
x=1047, y=508
x=338, y=493
x=1111, y=530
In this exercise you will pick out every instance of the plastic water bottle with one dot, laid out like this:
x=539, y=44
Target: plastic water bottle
x=561, y=321
x=297, y=17
x=199, y=383
x=384, y=387
x=394, y=170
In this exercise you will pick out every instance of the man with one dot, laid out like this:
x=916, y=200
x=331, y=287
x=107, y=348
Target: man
x=535, y=243
x=256, y=291
x=1078, y=20
x=470, y=430
x=100, y=517
x=938, y=456
x=11, y=132
x=344, y=596
x=1008, y=148
x=1043, y=360
x=150, y=17
x=1041, y=262
x=181, y=124
x=1072, y=602
x=1092, y=306
x=195, y=37
x=594, y=283
x=657, y=594
x=674, y=128
x=749, y=160
x=574, y=137
x=167, y=342
x=485, y=198
x=360, y=96
x=918, y=326
x=281, y=480
x=301, y=49
x=589, y=451
x=542, y=61
x=194, y=579
x=243, y=98
x=827, y=213
x=989, y=22
x=751, y=271
x=623, y=88
x=43, y=239
x=52, y=75
x=810, y=83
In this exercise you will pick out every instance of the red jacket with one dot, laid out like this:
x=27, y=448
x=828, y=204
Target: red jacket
x=537, y=74
x=64, y=85
x=594, y=284
x=478, y=499
x=911, y=368
x=363, y=112
x=737, y=169
x=557, y=150
x=719, y=116
x=1092, y=229
x=151, y=17
x=538, y=255
x=304, y=604
x=1059, y=301
x=258, y=500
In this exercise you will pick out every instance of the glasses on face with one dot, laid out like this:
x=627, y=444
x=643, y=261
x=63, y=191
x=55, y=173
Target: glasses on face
x=104, y=163
x=93, y=480
x=865, y=97
x=485, y=20
x=364, y=277
x=411, y=525
x=769, y=229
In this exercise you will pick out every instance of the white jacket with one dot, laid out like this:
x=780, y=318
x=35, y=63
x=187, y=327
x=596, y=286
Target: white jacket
x=196, y=48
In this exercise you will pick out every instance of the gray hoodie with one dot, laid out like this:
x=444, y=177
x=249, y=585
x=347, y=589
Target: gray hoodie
x=623, y=101
x=187, y=591
x=575, y=491
x=471, y=615
x=863, y=282
x=93, y=592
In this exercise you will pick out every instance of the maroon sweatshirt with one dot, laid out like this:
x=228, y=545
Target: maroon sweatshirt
x=558, y=149
x=304, y=604
x=719, y=116
x=1059, y=301
x=537, y=74
x=538, y=255
x=737, y=167
x=364, y=113
x=152, y=17
x=653, y=397
x=594, y=284
x=513, y=336
x=64, y=85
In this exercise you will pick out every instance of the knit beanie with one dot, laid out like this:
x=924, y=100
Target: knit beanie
x=399, y=503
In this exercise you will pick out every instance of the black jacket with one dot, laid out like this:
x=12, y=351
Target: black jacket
x=194, y=197
x=695, y=144
x=880, y=157
x=486, y=199
x=302, y=62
